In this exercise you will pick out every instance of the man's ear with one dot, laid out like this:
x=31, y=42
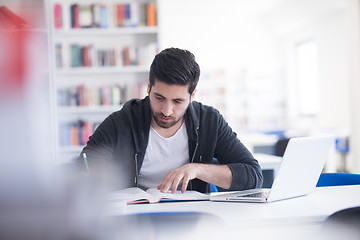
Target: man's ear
x=148, y=87
x=192, y=95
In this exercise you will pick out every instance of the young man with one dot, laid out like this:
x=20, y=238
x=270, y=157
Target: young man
x=169, y=141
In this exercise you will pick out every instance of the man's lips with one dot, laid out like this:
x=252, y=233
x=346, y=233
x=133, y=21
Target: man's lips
x=165, y=119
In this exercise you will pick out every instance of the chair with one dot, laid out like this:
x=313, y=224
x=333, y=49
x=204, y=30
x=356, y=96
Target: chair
x=280, y=146
x=278, y=150
x=213, y=188
x=337, y=179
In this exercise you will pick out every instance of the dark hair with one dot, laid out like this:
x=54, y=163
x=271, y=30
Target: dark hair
x=175, y=66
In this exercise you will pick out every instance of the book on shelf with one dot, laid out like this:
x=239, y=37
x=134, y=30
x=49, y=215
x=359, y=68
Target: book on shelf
x=120, y=15
x=58, y=55
x=106, y=95
x=104, y=16
x=86, y=53
x=83, y=95
x=87, y=130
x=85, y=16
x=58, y=16
x=136, y=195
x=89, y=56
x=126, y=56
x=151, y=14
x=98, y=15
x=76, y=56
x=116, y=95
x=143, y=15
x=74, y=15
x=73, y=97
x=76, y=133
x=127, y=17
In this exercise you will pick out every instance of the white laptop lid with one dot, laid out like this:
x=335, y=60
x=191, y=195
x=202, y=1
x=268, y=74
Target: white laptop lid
x=300, y=169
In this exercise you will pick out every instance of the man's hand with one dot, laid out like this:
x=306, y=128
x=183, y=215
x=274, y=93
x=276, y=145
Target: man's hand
x=219, y=175
x=184, y=173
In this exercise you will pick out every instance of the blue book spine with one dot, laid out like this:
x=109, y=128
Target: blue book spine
x=127, y=21
x=104, y=15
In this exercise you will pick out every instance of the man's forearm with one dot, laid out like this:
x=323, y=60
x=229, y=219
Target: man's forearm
x=219, y=175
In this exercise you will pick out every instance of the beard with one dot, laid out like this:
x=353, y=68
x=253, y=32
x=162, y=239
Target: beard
x=165, y=122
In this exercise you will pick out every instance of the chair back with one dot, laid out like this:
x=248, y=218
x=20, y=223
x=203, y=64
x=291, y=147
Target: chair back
x=337, y=179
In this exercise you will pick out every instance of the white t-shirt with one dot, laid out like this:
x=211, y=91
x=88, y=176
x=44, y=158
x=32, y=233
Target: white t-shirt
x=163, y=155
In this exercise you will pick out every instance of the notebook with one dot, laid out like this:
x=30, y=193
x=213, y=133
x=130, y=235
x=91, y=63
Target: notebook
x=299, y=171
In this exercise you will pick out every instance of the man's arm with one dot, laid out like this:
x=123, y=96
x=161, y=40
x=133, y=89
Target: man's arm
x=246, y=171
x=219, y=175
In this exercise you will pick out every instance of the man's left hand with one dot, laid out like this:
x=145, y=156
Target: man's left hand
x=173, y=178
x=219, y=175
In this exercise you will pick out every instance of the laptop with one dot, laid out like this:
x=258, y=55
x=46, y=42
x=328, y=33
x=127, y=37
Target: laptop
x=299, y=171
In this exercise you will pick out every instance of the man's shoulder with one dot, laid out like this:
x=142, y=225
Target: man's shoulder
x=201, y=108
x=203, y=115
x=133, y=106
x=136, y=103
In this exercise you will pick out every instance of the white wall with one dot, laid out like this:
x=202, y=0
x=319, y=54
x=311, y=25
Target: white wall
x=353, y=29
x=228, y=36
x=252, y=39
x=222, y=34
x=328, y=29
x=259, y=36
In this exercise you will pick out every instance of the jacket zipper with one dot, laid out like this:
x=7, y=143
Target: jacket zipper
x=196, y=147
x=136, y=171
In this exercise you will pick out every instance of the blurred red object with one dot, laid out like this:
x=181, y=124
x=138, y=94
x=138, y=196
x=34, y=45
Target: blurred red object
x=12, y=61
x=13, y=37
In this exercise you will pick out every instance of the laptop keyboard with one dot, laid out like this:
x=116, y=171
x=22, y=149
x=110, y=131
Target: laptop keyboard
x=257, y=195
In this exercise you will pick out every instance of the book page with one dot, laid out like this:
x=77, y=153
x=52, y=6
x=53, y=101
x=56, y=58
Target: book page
x=131, y=195
x=154, y=195
x=186, y=196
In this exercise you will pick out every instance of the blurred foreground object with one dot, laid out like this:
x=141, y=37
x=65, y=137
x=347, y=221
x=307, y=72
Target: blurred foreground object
x=38, y=200
x=9, y=19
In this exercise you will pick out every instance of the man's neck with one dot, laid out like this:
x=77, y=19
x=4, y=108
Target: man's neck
x=166, y=132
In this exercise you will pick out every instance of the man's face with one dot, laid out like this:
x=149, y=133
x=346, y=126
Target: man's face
x=168, y=103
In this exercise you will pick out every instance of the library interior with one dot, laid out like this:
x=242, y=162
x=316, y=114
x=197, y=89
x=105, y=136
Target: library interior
x=275, y=70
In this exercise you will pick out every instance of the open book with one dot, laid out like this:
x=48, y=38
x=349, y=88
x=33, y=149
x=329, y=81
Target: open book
x=154, y=195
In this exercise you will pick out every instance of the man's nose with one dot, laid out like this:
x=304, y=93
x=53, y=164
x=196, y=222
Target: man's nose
x=167, y=109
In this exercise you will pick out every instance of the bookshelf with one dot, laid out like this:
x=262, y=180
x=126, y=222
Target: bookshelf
x=102, y=53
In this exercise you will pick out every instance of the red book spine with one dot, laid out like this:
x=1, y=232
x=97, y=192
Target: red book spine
x=126, y=56
x=87, y=130
x=76, y=10
x=87, y=57
x=120, y=15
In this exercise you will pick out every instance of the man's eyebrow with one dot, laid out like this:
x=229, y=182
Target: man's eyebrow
x=176, y=99
x=159, y=95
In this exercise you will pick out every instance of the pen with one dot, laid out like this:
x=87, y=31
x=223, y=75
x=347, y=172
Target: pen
x=86, y=163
